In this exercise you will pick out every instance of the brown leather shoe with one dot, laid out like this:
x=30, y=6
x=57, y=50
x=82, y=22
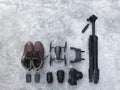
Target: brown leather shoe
x=27, y=56
x=38, y=55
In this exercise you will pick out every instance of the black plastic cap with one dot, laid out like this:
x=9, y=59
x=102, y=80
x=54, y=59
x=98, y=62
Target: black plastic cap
x=60, y=76
x=49, y=77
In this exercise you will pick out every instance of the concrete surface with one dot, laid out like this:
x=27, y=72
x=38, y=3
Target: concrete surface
x=58, y=21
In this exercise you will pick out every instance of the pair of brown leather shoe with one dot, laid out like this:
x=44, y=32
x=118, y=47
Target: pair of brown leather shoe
x=33, y=55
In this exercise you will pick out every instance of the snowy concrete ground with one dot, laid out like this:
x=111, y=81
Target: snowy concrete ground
x=59, y=21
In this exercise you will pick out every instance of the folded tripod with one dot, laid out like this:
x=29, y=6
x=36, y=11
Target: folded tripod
x=93, y=51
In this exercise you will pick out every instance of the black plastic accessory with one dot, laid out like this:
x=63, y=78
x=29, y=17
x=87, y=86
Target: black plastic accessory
x=37, y=77
x=74, y=75
x=78, y=55
x=28, y=78
x=93, y=51
x=60, y=76
x=49, y=77
x=58, y=53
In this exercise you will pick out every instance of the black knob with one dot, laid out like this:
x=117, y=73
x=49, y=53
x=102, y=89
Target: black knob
x=49, y=77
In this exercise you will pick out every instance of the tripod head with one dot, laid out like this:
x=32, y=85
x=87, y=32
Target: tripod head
x=92, y=20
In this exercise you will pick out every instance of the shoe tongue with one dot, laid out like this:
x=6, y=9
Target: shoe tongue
x=37, y=54
x=28, y=54
x=37, y=59
x=37, y=62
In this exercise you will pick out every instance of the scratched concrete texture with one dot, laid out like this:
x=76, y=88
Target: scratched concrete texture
x=59, y=21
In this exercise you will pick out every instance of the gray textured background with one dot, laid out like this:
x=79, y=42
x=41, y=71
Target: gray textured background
x=58, y=21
